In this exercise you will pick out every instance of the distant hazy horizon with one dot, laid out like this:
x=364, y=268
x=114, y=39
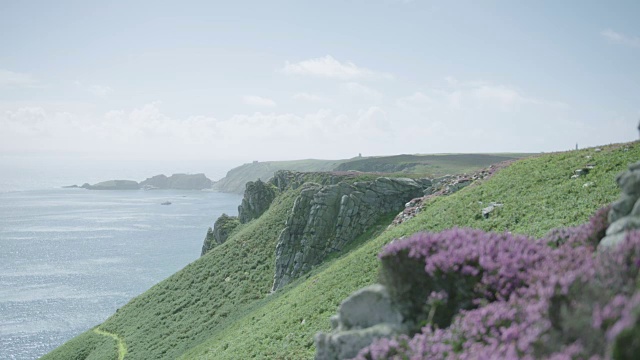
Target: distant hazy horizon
x=36, y=173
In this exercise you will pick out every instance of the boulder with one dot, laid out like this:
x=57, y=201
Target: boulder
x=486, y=212
x=188, y=182
x=625, y=212
x=367, y=307
x=366, y=315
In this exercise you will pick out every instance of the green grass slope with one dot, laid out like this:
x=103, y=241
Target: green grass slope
x=435, y=165
x=537, y=193
x=218, y=308
x=191, y=305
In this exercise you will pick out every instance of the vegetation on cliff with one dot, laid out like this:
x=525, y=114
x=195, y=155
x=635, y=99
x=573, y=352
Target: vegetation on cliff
x=218, y=307
x=423, y=165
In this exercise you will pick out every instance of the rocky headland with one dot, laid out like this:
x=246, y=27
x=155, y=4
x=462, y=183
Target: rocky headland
x=175, y=181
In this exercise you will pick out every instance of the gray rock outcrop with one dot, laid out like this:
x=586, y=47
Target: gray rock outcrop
x=222, y=228
x=366, y=315
x=258, y=196
x=625, y=212
x=326, y=218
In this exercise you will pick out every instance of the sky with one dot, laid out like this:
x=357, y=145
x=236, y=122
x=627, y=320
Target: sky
x=227, y=82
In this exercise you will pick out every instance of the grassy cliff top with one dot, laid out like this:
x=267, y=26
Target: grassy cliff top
x=426, y=165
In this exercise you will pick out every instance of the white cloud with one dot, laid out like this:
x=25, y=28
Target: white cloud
x=464, y=95
x=329, y=67
x=303, y=96
x=622, y=39
x=417, y=100
x=359, y=90
x=100, y=90
x=258, y=101
x=16, y=79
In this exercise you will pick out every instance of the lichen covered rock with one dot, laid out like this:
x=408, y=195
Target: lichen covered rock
x=258, y=196
x=366, y=315
x=326, y=218
x=625, y=212
x=222, y=228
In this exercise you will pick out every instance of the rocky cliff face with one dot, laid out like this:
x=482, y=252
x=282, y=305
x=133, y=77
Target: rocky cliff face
x=325, y=218
x=257, y=199
x=222, y=228
x=286, y=179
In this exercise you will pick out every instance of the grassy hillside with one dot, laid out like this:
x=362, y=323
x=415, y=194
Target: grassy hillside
x=434, y=165
x=537, y=193
x=191, y=305
x=218, y=307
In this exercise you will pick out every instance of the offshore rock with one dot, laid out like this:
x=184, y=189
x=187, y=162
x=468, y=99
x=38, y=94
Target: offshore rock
x=326, y=218
x=364, y=316
x=113, y=185
x=258, y=196
x=178, y=181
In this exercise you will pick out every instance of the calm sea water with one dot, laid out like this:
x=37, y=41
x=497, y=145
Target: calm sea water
x=70, y=257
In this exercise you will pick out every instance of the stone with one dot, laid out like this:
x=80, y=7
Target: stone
x=629, y=182
x=634, y=166
x=582, y=172
x=367, y=307
x=611, y=240
x=636, y=208
x=346, y=344
x=486, y=212
x=623, y=224
x=366, y=315
x=622, y=207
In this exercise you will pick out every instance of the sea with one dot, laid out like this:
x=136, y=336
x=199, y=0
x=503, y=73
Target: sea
x=69, y=258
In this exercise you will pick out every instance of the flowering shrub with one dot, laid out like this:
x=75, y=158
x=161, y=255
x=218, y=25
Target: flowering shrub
x=499, y=296
x=587, y=234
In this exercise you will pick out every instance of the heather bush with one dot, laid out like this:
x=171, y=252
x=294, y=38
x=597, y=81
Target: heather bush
x=587, y=234
x=508, y=297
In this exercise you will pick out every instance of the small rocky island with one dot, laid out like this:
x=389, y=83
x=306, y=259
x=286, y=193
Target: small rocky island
x=175, y=181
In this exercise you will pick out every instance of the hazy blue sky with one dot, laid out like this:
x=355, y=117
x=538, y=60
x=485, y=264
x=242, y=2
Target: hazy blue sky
x=268, y=80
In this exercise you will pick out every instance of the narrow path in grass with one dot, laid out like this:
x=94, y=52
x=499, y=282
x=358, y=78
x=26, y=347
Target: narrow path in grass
x=122, y=347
